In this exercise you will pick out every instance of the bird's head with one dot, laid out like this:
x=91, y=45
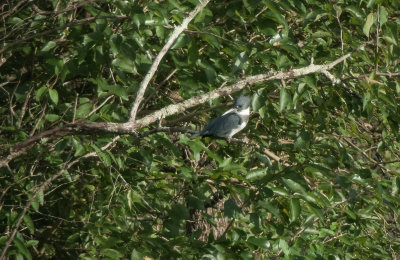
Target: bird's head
x=242, y=103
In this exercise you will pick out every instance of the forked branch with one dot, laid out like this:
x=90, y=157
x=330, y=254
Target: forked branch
x=131, y=127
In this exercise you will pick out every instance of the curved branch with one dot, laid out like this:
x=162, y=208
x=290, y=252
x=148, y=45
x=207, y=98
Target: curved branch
x=131, y=127
x=178, y=30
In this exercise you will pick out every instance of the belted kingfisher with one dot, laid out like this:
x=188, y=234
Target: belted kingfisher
x=229, y=123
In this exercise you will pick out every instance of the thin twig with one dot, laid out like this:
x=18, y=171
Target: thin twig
x=340, y=26
x=72, y=7
x=131, y=127
x=71, y=24
x=24, y=107
x=42, y=188
x=225, y=91
x=29, y=203
x=331, y=77
x=385, y=74
x=8, y=13
x=75, y=107
x=100, y=106
x=378, y=25
x=38, y=121
x=158, y=87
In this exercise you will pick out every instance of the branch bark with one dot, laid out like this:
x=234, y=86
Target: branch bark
x=131, y=127
x=178, y=30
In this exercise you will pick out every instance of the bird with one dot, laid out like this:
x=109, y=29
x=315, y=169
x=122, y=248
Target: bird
x=230, y=122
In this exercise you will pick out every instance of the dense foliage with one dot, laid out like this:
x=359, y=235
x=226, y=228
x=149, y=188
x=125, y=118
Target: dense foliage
x=319, y=177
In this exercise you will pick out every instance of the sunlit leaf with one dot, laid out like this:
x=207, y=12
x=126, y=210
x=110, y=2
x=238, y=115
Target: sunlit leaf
x=368, y=23
x=53, y=95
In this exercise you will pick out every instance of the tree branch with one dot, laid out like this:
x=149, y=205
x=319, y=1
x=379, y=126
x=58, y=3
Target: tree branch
x=131, y=127
x=178, y=30
x=42, y=188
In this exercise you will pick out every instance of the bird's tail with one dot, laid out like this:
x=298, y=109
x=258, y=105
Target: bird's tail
x=194, y=135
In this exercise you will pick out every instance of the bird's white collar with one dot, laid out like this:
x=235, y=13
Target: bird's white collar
x=244, y=112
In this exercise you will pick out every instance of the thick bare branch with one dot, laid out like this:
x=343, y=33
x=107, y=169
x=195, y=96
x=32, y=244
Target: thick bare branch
x=178, y=30
x=224, y=91
x=131, y=127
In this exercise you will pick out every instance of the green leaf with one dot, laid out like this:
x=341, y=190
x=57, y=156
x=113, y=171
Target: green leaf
x=284, y=246
x=368, y=23
x=3, y=240
x=351, y=213
x=53, y=95
x=136, y=255
x=356, y=11
x=22, y=248
x=35, y=204
x=257, y=102
x=111, y=253
x=181, y=41
x=179, y=211
x=195, y=202
x=284, y=99
x=303, y=140
x=383, y=15
x=160, y=32
x=83, y=110
x=29, y=223
x=16, y=21
x=294, y=186
x=118, y=90
x=48, y=46
x=294, y=209
x=134, y=197
x=103, y=156
x=40, y=93
x=276, y=13
x=38, y=200
x=56, y=64
x=195, y=145
x=200, y=18
x=265, y=159
x=271, y=208
x=52, y=117
x=125, y=64
x=79, y=148
x=395, y=186
x=256, y=174
x=371, y=3
x=231, y=210
x=212, y=40
x=259, y=242
x=193, y=53
x=40, y=197
x=32, y=243
x=239, y=62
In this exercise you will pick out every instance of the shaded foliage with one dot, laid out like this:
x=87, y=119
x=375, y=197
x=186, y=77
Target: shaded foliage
x=332, y=193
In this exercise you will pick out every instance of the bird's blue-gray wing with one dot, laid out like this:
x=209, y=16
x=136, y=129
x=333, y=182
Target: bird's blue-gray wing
x=222, y=126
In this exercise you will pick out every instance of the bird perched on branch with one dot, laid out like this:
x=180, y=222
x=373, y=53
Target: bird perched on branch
x=229, y=123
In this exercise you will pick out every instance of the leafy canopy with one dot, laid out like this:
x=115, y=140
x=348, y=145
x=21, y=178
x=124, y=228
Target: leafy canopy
x=319, y=180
